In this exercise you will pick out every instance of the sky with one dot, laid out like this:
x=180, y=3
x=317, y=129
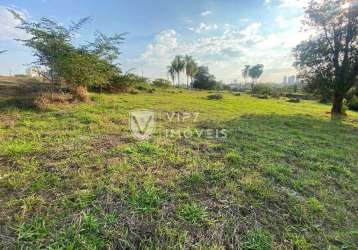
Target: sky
x=224, y=35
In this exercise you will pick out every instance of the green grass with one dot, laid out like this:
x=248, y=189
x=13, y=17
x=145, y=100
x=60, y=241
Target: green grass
x=286, y=176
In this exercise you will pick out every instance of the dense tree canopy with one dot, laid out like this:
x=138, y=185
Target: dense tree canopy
x=204, y=80
x=328, y=62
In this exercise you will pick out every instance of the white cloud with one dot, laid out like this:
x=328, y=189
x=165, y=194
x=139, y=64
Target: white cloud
x=226, y=52
x=293, y=3
x=202, y=27
x=206, y=13
x=8, y=24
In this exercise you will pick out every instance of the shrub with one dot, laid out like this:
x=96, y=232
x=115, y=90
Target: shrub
x=119, y=83
x=294, y=100
x=141, y=87
x=236, y=94
x=161, y=83
x=260, y=96
x=353, y=103
x=80, y=94
x=262, y=89
x=134, y=92
x=215, y=97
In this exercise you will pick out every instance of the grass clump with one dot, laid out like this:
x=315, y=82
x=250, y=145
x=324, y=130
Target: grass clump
x=192, y=213
x=257, y=239
x=145, y=198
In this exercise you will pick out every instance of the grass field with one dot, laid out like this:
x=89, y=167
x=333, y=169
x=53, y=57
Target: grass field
x=73, y=177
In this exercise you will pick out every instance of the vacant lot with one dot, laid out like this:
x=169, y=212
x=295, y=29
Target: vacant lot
x=73, y=177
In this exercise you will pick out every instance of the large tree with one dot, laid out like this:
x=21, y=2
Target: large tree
x=245, y=72
x=178, y=64
x=171, y=73
x=328, y=62
x=204, y=80
x=255, y=73
x=191, y=68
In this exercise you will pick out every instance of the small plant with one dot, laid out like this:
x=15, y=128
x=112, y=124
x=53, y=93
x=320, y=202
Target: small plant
x=233, y=158
x=257, y=239
x=193, y=213
x=145, y=198
x=215, y=97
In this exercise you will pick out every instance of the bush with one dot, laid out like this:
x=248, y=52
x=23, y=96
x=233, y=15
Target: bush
x=119, y=83
x=236, y=94
x=294, y=100
x=262, y=89
x=260, y=96
x=161, y=83
x=215, y=97
x=353, y=104
x=134, y=92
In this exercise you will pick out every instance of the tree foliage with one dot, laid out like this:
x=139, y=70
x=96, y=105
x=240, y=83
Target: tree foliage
x=328, y=62
x=256, y=71
x=204, y=80
x=161, y=83
x=88, y=65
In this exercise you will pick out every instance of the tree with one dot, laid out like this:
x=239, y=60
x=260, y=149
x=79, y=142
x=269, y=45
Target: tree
x=245, y=72
x=88, y=65
x=255, y=73
x=171, y=73
x=204, y=80
x=328, y=62
x=191, y=68
x=178, y=64
x=49, y=40
x=80, y=69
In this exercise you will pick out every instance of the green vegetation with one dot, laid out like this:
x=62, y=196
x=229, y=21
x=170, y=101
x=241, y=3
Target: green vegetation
x=328, y=63
x=73, y=177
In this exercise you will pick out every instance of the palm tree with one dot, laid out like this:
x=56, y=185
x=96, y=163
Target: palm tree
x=188, y=65
x=255, y=73
x=194, y=68
x=171, y=73
x=178, y=65
x=191, y=68
x=245, y=72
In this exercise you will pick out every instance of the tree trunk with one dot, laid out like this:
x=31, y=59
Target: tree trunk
x=337, y=108
x=187, y=81
x=178, y=80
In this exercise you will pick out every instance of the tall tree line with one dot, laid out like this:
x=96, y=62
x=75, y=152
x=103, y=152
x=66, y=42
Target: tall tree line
x=182, y=64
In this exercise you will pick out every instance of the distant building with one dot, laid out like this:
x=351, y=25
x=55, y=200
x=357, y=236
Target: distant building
x=291, y=80
x=284, y=80
x=33, y=72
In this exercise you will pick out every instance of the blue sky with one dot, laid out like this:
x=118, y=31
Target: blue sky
x=222, y=34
